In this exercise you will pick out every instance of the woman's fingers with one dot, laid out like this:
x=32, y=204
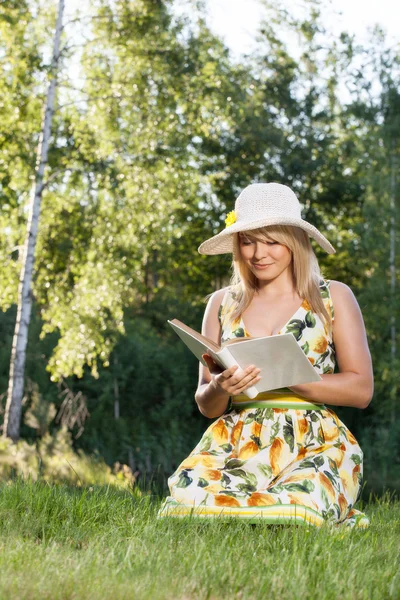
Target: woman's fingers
x=212, y=366
x=234, y=380
x=246, y=382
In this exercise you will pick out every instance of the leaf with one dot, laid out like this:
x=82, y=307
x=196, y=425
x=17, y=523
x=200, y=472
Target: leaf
x=238, y=473
x=256, y=440
x=288, y=436
x=320, y=436
x=309, y=485
x=245, y=487
x=260, y=416
x=184, y=480
x=313, y=416
x=226, y=448
x=333, y=466
x=251, y=479
x=265, y=469
x=295, y=487
x=202, y=483
x=310, y=319
x=305, y=464
x=276, y=489
x=296, y=323
x=205, y=443
x=234, y=463
x=288, y=419
x=306, y=348
x=274, y=431
x=324, y=497
x=250, y=418
x=332, y=480
x=269, y=414
x=296, y=328
x=233, y=494
x=225, y=480
x=356, y=459
x=319, y=461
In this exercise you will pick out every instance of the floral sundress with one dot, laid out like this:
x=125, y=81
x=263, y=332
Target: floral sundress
x=279, y=457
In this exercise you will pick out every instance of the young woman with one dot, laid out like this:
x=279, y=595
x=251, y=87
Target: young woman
x=284, y=457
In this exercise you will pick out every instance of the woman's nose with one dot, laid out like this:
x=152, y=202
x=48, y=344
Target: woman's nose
x=260, y=250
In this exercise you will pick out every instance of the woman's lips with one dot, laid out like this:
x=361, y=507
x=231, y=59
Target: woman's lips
x=262, y=266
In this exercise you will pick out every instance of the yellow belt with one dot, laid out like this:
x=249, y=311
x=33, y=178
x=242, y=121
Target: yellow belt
x=274, y=400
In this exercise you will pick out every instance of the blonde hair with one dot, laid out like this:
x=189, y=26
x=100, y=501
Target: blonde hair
x=305, y=269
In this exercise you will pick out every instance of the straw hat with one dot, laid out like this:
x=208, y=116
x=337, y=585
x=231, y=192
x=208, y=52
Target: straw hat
x=259, y=205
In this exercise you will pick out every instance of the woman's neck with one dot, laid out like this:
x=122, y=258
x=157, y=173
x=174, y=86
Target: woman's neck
x=283, y=285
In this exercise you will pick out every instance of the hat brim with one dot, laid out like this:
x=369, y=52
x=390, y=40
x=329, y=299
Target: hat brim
x=222, y=243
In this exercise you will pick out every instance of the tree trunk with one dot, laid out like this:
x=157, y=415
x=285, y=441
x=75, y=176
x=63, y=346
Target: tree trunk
x=116, y=389
x=12, y=417
x=392, y=261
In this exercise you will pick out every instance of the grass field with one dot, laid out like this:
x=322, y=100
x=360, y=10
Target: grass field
x=59, y=542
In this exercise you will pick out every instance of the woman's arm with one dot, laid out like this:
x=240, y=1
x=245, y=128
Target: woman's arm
x=215, y=386
x=354, y=384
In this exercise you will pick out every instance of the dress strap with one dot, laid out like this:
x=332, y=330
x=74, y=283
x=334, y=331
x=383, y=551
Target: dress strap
x=225, y=307
x=326, y=296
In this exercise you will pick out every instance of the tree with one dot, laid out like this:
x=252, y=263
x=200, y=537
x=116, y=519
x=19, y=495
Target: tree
x=12, y=415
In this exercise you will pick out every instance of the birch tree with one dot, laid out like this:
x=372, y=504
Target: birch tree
x=12, y=415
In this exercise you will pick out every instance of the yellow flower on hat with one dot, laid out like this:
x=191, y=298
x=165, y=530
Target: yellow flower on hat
x=230, y=218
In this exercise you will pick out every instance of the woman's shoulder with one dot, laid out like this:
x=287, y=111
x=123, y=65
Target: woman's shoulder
x=217, y=296
x=342, y=295
x=220, y=303
x=338, y=288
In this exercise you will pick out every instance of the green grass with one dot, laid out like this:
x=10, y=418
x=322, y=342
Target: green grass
x=58, y=542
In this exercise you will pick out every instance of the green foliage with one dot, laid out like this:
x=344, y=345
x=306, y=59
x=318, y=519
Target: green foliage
x=21, y=99
x=147, y=157
x=53, y=459
x=40, y=413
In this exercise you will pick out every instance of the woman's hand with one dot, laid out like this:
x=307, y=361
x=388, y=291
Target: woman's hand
x=234, y=380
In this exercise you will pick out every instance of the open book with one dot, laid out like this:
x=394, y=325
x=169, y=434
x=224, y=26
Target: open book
x=280, y=358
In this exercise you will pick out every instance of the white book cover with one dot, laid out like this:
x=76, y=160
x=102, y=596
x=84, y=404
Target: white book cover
x=280, y=358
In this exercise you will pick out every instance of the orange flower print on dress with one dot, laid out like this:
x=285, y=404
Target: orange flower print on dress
x=302, y=499
x=330, y=431
x=199, y=459
x=256, y=429
x=328, y=487
x=259, y=499
x=222, y=500
x=342, y=505
x=275, y=455
x=236, y=432
x=319, y=344
x=220, y=432
x=212, y=474
x=248, y=450
x=351, y=437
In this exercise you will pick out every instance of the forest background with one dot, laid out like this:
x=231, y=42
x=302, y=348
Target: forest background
x=156, y=130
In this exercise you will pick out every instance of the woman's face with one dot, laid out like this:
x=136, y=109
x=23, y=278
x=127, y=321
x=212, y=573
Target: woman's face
x=266, y=259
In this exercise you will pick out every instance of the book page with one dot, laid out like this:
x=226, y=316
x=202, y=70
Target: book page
x=280, y=358
x=197, y=343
